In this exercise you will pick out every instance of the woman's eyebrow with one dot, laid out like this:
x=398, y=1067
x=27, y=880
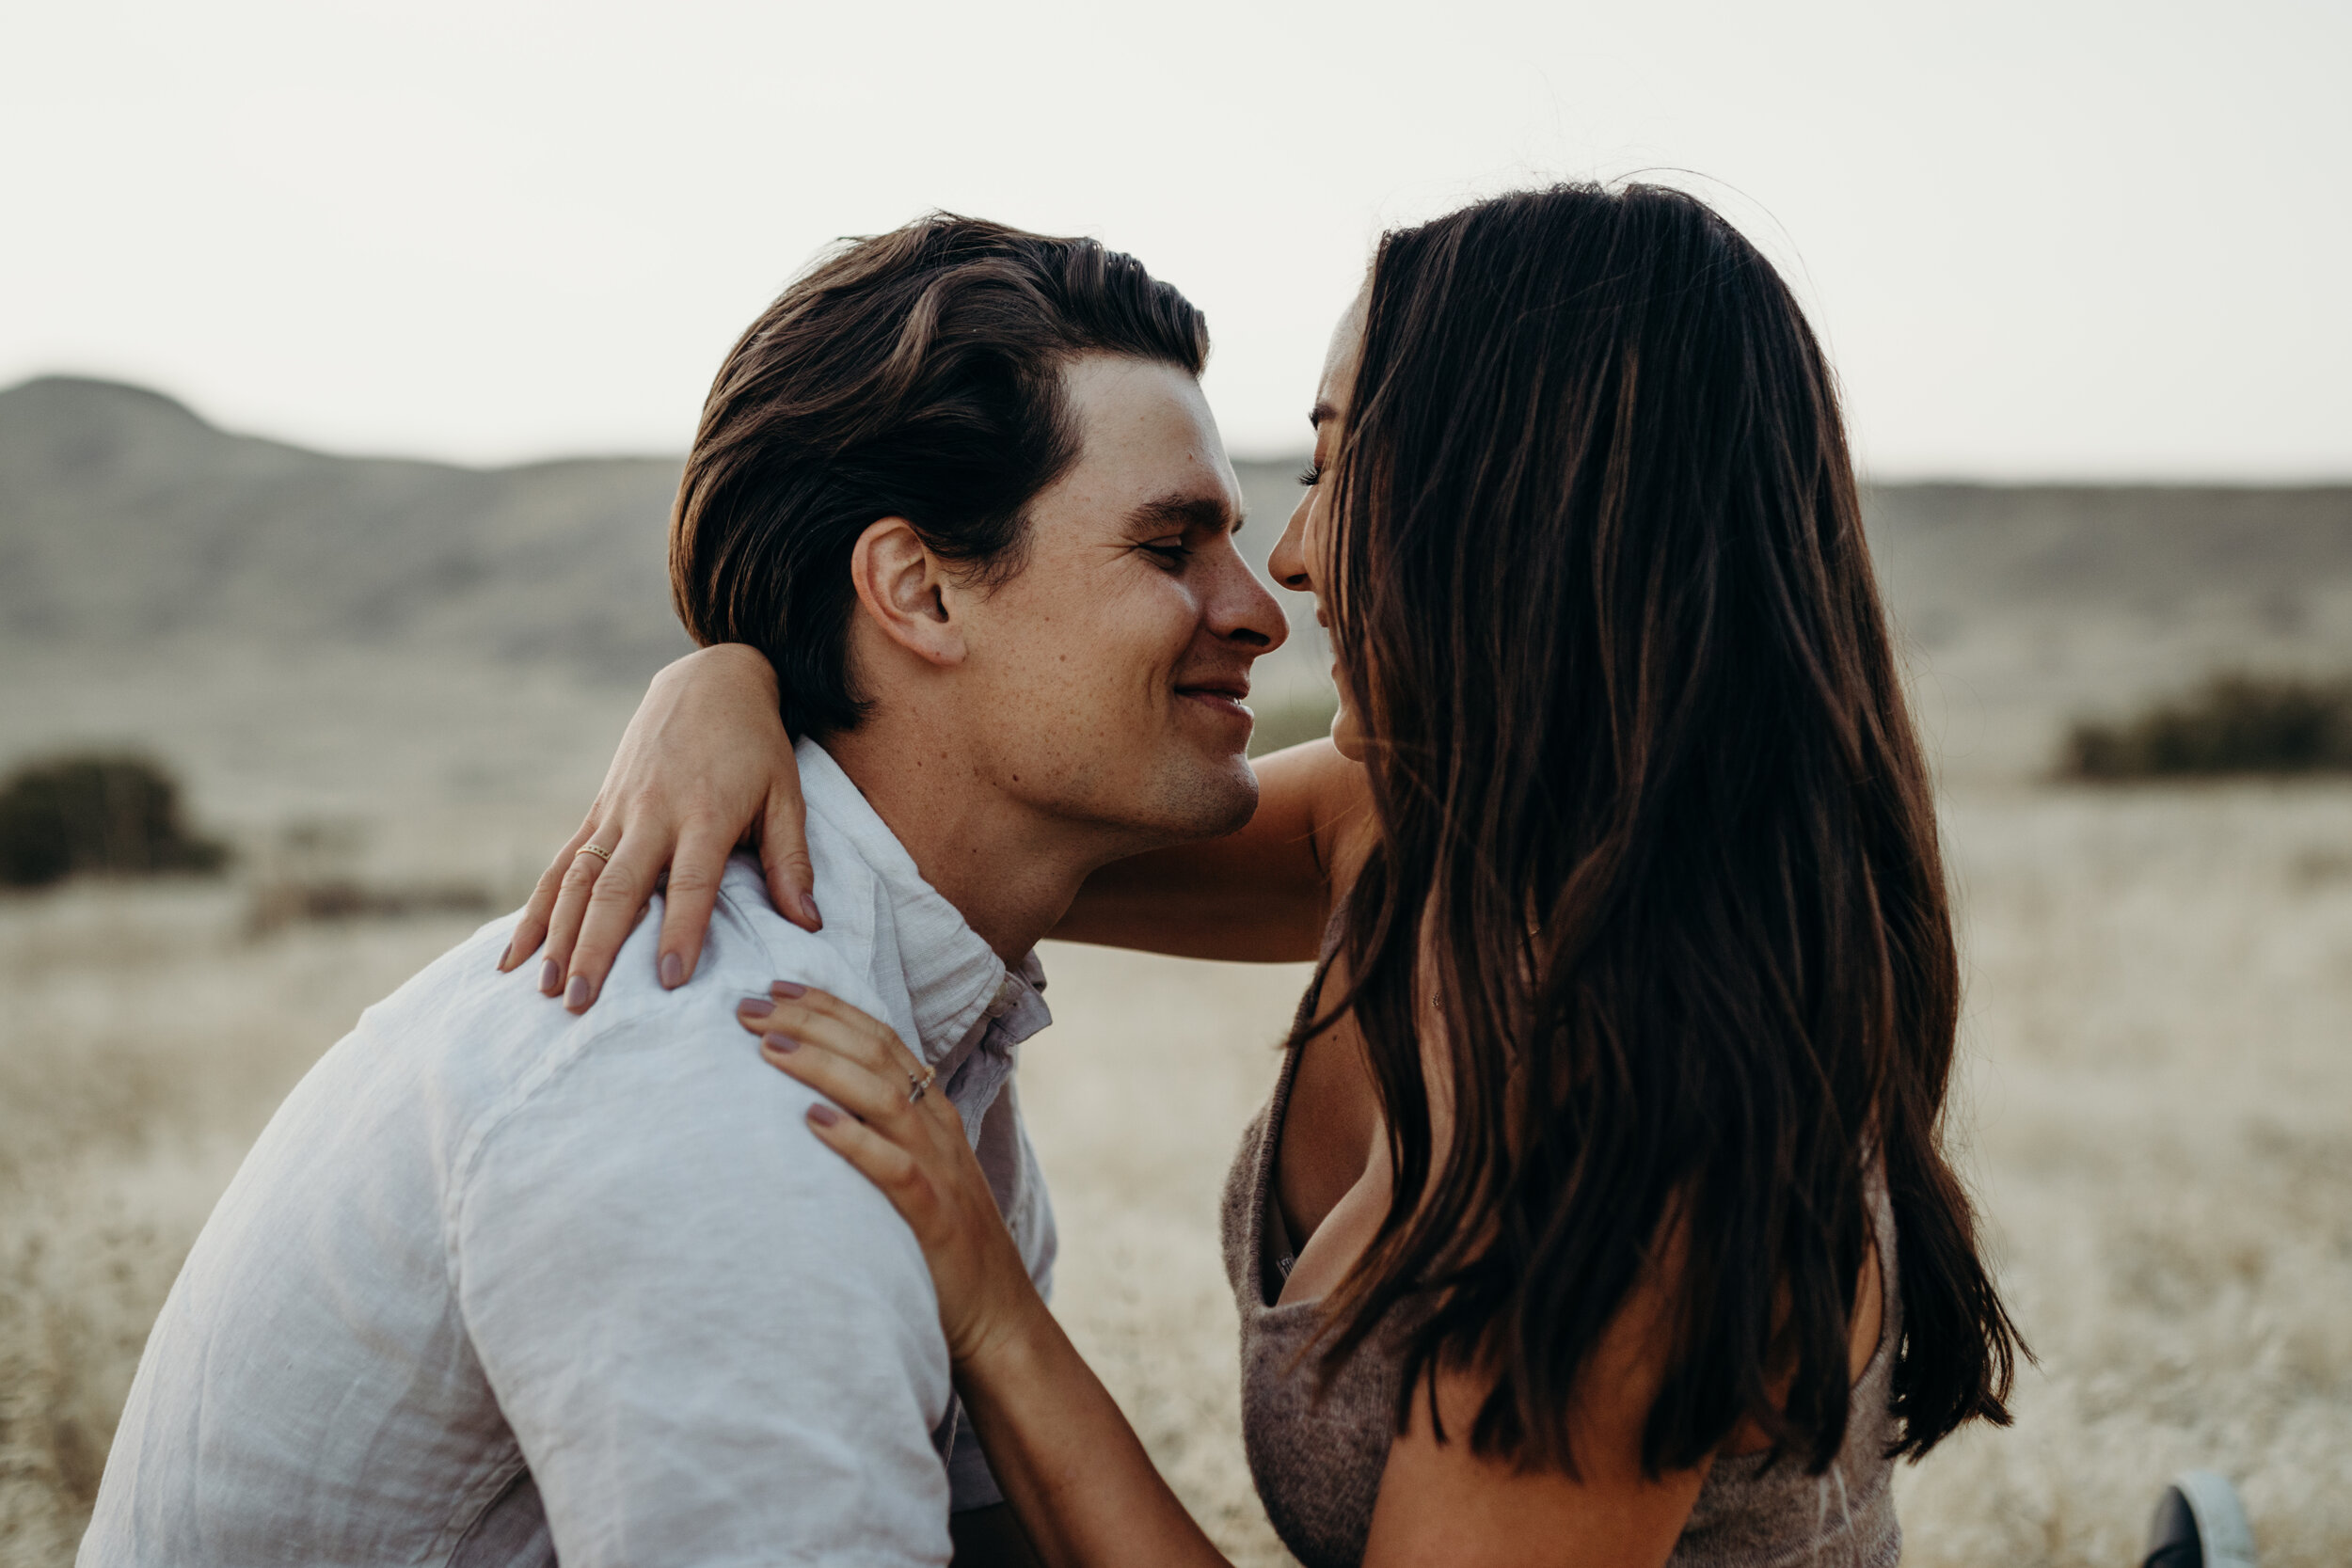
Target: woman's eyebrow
x=1183, y=511
x=1319, y=413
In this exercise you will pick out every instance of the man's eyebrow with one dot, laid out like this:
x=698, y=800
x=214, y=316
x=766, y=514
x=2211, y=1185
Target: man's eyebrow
x=1180, y=511
x=1319, y=413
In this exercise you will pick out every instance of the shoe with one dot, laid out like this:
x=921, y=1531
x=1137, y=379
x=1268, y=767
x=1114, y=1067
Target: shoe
x=2199, y=1524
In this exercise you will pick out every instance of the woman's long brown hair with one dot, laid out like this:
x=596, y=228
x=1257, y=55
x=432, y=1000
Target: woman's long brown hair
x=1656, y=840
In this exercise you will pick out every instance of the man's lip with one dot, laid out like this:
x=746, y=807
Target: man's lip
x=1238, y=691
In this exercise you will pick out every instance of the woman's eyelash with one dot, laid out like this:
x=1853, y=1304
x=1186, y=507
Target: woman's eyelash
x=1311, y=475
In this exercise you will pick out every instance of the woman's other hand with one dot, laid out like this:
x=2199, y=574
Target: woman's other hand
x=912, y=1145
x=704, y=765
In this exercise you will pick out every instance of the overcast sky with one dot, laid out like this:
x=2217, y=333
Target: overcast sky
x=2046, y=239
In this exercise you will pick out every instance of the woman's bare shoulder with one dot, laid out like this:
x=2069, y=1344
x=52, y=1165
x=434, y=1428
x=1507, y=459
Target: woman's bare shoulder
x=1311, y=792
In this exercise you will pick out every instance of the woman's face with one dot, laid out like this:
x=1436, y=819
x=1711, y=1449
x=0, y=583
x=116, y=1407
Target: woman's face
x=1300, y=557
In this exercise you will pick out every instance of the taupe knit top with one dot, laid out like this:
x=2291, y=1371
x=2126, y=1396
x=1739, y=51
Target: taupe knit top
x=1317, y=1462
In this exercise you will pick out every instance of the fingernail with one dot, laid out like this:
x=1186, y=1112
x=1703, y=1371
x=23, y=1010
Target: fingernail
x=751, y=1004
x=809, y=908
x=786, y=989
x=824, y=1115
x=550, y=977
x=576, y=994
x=673, y=970
x=784, y=1044
x=506, y=958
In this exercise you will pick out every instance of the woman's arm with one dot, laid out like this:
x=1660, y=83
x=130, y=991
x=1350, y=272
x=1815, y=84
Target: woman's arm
x=1086, y=1491
x=1061, y=1450
x=1262, y=895
x=705, y=765
x=1073, y=1469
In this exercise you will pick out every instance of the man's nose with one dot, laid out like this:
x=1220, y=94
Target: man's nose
x=1241, y=611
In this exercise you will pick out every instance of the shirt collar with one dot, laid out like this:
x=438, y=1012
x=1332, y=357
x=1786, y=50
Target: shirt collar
x=953, y=979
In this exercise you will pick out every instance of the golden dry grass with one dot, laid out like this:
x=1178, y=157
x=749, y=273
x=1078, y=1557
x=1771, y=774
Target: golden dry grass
x=2159, y=1033
x=143, y=1043
x=2159, y=1100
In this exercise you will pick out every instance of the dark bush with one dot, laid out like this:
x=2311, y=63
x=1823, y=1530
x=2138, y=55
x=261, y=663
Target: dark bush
x=2233, y=724
x=66, y=816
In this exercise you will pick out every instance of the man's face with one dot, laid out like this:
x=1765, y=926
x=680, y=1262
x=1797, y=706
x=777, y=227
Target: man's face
x=1109, y=673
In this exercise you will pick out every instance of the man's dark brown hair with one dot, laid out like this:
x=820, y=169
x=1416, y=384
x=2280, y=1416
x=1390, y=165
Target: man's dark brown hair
x=915, y=374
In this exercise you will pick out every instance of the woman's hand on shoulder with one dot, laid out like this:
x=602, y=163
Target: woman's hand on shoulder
x=902, y=1134
x=705, y=765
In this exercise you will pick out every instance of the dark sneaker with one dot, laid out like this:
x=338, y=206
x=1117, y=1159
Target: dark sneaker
x=2199, y=1524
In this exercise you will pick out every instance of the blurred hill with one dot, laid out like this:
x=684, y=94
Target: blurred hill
x=432, y=660
x=128, y=522
x=308, y=633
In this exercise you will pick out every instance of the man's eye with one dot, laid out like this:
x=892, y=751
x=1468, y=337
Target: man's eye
x=1169, y=555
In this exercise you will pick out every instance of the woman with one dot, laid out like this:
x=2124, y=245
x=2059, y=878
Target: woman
x=1578, y=1202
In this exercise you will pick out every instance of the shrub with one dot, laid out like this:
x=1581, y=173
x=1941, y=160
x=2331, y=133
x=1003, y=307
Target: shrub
x=2232, y=724
x=118, y=814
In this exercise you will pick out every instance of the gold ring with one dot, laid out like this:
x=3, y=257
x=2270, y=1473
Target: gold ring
x=596, y=849
x=918, y=1087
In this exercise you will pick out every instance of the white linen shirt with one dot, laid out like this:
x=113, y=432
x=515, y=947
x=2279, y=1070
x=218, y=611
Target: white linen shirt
x=500, y=1284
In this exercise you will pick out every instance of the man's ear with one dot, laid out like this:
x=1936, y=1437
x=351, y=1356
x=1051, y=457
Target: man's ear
x=906, y=592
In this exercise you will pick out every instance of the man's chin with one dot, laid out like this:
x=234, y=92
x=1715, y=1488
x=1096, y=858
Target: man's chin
x=1213, y=798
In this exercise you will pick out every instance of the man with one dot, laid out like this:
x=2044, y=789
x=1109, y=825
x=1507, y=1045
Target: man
x=503, y=1282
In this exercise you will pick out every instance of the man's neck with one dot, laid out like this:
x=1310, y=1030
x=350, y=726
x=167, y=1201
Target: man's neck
x=1010, y=873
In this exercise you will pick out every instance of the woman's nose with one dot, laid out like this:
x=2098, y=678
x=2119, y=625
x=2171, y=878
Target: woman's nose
x=1287, y=566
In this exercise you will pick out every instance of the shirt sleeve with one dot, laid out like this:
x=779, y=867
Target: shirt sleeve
x=714, y=1340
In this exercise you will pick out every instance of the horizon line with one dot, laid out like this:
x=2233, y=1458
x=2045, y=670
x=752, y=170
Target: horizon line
x=2022, y=478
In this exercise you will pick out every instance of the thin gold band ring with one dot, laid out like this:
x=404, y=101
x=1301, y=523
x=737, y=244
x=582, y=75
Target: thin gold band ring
x=599, y=850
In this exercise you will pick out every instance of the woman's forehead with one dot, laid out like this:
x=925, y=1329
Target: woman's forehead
x=1340, y=357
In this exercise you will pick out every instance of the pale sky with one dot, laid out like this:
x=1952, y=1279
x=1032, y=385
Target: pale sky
x=2052, y=239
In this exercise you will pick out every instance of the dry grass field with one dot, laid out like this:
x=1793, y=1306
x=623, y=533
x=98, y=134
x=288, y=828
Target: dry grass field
x=2158, y=1116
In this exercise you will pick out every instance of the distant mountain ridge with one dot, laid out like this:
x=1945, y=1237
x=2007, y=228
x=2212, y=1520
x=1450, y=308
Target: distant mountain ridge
x=2154, y=546
x=130, y=525
x=126, y=519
